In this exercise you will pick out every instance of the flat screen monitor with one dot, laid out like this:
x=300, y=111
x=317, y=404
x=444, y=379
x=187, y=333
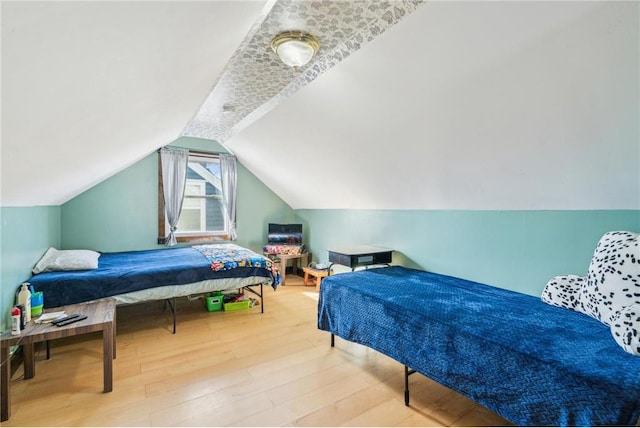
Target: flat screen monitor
x=285, y=233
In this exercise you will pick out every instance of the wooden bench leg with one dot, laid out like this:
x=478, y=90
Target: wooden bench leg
x=29, y=361
x=306, y=278
x=5, y=375
x=108, y=353
x=283, y=271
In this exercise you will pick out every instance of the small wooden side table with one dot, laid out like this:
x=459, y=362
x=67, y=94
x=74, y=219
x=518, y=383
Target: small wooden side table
x=318, y=274
x=282, y=259
x=101, y=316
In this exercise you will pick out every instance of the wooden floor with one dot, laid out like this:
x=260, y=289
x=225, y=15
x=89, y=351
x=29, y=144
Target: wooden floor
x=231, y=369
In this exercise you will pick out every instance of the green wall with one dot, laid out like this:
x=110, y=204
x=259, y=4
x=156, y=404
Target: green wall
x=517, y=250
x=26, y=234
x=120, y=214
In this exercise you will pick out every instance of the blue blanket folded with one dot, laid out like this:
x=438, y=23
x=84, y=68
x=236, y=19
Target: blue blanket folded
x=530, y=362
x=125, y=272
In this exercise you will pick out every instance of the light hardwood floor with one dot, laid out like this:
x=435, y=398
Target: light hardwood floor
x=231, y=369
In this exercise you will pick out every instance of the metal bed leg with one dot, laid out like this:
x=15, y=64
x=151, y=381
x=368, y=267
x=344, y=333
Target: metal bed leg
x=48, y=350
x=173, y=309
x=172, y=305
x=407, y=373
x=260, y=294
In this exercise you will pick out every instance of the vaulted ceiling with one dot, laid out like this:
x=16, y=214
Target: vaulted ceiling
x=452, y=105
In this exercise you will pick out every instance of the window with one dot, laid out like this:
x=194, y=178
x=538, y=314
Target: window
x=202, y=217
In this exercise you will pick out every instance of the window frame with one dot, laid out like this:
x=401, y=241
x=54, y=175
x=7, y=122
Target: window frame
x=202, y=204
x=162, y=221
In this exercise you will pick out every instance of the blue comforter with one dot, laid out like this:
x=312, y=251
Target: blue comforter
x=125, y=272
x=530, y=362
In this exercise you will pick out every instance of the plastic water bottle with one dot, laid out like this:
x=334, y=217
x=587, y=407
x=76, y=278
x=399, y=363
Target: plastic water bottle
x=24, y=299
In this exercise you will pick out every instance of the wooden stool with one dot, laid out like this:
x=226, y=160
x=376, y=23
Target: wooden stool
x=318, y=274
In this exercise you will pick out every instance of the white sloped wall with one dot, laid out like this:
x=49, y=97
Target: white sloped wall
x=467, y=105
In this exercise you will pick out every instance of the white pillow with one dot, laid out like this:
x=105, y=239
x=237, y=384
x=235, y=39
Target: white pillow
x=63, y=260
x=563, y=291
x=613, y=281
x=625, y=328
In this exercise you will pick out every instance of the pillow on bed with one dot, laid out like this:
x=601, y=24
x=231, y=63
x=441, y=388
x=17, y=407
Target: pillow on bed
x=625, y=328
x=57, y=260
x=563, y=291
x=613, y=281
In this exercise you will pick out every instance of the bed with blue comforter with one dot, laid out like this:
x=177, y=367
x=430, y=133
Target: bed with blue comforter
x=126, y=273
x=530, y=362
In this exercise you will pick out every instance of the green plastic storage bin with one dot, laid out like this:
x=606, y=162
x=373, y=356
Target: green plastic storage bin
x=234, y=306
x=214, y=303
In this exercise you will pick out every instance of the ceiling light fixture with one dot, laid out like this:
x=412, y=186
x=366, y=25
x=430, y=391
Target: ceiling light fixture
x=295, y=48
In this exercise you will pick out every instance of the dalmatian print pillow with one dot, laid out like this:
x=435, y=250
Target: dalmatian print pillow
x=613, y=281
x=625, y=328
x=563, y=291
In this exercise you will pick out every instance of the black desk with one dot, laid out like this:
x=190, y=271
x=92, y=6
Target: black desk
x=363, y=255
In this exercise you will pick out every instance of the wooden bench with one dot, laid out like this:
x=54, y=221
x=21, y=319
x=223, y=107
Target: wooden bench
x=317, y=274
x=101, y=316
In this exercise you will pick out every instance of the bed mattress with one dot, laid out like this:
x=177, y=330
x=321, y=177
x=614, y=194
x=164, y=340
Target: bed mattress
x=133, y=271
x=532, y=363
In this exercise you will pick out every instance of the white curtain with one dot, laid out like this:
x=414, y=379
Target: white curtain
x=229, y=178
x=174, y=178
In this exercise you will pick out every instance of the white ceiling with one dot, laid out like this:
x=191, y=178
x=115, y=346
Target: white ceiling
x=89, y=88
x=467, y=105
x=461, y=105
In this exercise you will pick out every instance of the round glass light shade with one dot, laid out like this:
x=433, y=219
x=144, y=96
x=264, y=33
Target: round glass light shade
x=295, y=49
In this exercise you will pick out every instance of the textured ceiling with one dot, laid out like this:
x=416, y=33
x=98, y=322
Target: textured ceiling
x=255, y=80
